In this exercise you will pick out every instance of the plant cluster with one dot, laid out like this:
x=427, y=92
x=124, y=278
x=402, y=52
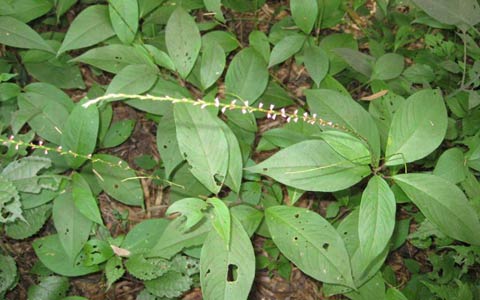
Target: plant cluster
x=399, y=167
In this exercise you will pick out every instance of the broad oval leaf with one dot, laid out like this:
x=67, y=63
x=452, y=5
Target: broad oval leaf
x=141, y=238
x=443, y=204
x=50, y=287
x=247, y=76
x=388, y=66
x=451, y=166
x=118, y=181
x=217, y=262
x=84, y=199
x=311, y=243
x=183, y=41
x=203, y=144
x=80, y=134
x=312, y=166
x=348, y=146
x=377, y=218
x=133, y=79
x=317, y=63
x=286, y=48
x=259, y=41
x=360, y=62
x=15, y=33
x=124, y=19
x=36, y=218
x=418, y=127
x=90, y=27
x=213, y=63
x=304, y=13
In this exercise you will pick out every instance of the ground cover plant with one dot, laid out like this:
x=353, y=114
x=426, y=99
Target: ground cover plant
x=300, y=149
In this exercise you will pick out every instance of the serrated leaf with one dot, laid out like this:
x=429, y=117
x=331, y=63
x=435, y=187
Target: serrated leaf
x=304, y=13
x=183, y=41
x=124, y=18
x=443, y=204
x=222, y=220
x=35, y=218
x=286, y=48
x=388, y=66
x=116, y=180
x=146, y=269
x=72, y=226
x=90, y=27
x=114, y=270
x=311, y=243
x=10, y=205
x=377, y=218
x=212, y=65
x=84, y=199
x=316, y=62
x=217, y=262
x=190, y=208
x=15, y=33
x=312, y=166
x=172, y=284
x=49, y=288
x=8, y=273
x=199, y=137
x=185, y=264
x=418, y=127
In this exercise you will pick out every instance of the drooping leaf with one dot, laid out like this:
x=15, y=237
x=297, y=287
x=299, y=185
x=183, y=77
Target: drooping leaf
x=124, y=16
x=213, y=63
x=418, y=127
x=317, y=63
x=443, y=204
x=227, y=273
x=452, y=12
x=312, y=166
x=49, y=288
x=35, y=219
x=199, y=137
x=15, y=33
x=118, y=181
x=190, y=208
x=304, y=13
x=388, y=66
x=183, y=41
x=90, y=27
x=311, y=243
x=377, y=218
x=286, y=48
x=84, y=199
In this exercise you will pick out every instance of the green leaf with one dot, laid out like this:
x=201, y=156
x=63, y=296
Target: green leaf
x=213, y=63
x=90, y=27
x=304, y=13
x=227, y=40
x=62, y=6
x=167, y=143
x=72, y=226
x=388, y=66
x=172, y=284
x=235, y=161
x=84, y=200
x=227, y=273
x=348, y=146
x=124, y=18
x=80, y=134
x=36, y=218
x=183, y=41
x=222, y=220
x=452, y=12
x=372, y=289
x=311, y=243
x=316, y=62
x=451, y=166
x=49, y=288
x=114, y=270
x=128, y=81
x=144, y=236
x=174, y=239
x=8, y=273
x=113, y=58
x=360, y=62
x=286, y=48
x=96, y=252
x=312, y=166
x=247, y=76
x=443, y=204
x=259, y=41
x=15, y=33
x=51, y=253
x=160, y=58
x=146, y=269
x=191, y=208
x=200, y=138
x=26, y=10
x=10, y=205
x=377, y=218
x=249, y=217
x=394, y=294
x=118, y=181
x=418, y=127
x=118, y=133
x=333, y=41
x=215, y=6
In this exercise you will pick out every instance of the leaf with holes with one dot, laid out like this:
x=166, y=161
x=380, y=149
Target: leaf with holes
x=227, y=273
x=183, y=41
x=117, y=180
x=201, y=140
x=190, y=208
x=124, y=18
x=418, y=128
x=377, y=218
x=113, y=270
x=311, y=243
x=96, y=252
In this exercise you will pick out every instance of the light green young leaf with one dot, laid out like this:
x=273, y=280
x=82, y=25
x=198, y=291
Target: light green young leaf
x=191, y=208
x=213, y=63
x=388, y=66
x=183, y=41
x=317, y=63
x=286, y=48
x=117, y=181
x=451, y=166
x=377, y=218
x=49, y=288
x=311, y=243
x=452, y=12
x=217, y=262
x=35, y=219
x=312, y=166
x=215, y=6
x=203, y=144
x=80, y=134
x=128, y=80
x=222, y=220
x=418, y=127
x=90, y=27
x=114, y=270
x=247, y=76
x=84, y=199
x=443, y=204
x=304, y=13
x=15, y=33
x=72, y=226
x=124, y=19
